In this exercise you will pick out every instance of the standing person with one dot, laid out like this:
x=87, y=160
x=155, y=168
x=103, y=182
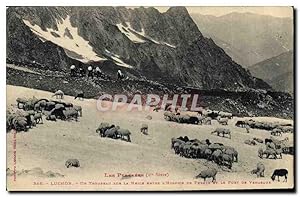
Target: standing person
x=81, y=71
x=90, y=72
x=72, y=69
x=247, y=128
x=98, y=72
x=120, y=75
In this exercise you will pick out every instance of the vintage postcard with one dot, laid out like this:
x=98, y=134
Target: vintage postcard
x=150, y=98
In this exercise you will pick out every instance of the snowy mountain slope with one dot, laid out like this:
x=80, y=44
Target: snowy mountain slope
x=66, y=36
x=166, y=47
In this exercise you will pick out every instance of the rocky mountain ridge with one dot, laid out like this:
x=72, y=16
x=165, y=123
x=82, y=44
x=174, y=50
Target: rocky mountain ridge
x=165, y=47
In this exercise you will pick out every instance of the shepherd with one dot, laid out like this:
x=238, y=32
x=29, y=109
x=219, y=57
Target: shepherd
x=72, y=69
x=98, y=72
x=247, y=128
x=90, y=72
x=120, y=75
x=81, y=71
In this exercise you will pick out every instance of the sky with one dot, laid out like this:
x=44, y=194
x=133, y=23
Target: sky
x=219, y=11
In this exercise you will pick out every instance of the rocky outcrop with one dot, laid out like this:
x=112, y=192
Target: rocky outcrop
x=24, y=46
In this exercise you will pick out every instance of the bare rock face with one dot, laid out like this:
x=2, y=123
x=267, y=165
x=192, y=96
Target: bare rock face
x=24, y=46
x=166, y=47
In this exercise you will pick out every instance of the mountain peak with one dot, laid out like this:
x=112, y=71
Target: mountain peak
x=178, y=10
x=165, y=47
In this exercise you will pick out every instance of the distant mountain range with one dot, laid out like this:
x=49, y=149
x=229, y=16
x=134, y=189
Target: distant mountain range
x=246, y=37
x=277, y=71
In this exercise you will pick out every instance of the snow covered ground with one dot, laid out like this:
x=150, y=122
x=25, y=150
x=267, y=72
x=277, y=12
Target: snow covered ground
x=49, y=145
x=75, y=43
x=128, y=32
x=117, y=59
x=67, y=37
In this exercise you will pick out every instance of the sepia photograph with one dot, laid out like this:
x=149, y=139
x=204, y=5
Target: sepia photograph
x=150, y=98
